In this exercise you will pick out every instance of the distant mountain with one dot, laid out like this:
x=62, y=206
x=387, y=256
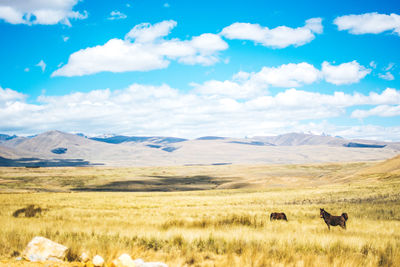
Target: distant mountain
x=118, y=139
x=11, y=140
x=5, y=137
x=211, y=138
x=55, y=148
x=251, y=143
x=300, y=139
x=352, y=144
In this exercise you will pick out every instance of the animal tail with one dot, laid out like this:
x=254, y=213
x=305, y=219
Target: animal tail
x=345, y=216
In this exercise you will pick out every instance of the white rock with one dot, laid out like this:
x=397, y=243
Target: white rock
x=84, y=257
x=124, y=261
x=98, y=260
x=141, y=263
x=138, y=262
x=43, y=249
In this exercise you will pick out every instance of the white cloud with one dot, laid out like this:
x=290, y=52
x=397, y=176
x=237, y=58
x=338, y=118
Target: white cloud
x=166, y=5
x=369, y=132
x=45, y=12
x=279, y=37
x=115, y=15
x=345, y=73
x=381, y=111
x=143, y=49
x=387, y=76
x=65, y=38
x=389, y=66
x=41, y=65
x=162, y=110
x=289, y=75
x=147, y=33
x=369, y=23
x=7, y=95
x=246, y=85
x=372, y=64
x=26, y=69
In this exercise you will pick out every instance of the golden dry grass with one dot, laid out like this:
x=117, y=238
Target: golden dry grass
x=179, y=178
x=212, y=227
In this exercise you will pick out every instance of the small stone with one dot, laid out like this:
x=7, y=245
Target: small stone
x=84, y=257
x=141, y=263
x=123, y=261
x=98, y=260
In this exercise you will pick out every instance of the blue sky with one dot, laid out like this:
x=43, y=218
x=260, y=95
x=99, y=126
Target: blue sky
x=195, y=68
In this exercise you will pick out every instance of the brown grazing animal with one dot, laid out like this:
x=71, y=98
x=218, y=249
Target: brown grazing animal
x=30, y=211
x=334, y=220
x=277, y=216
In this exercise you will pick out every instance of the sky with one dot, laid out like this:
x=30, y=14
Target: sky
x=199, y=68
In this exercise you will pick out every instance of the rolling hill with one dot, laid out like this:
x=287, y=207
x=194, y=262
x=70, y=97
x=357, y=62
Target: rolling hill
x=55, y=148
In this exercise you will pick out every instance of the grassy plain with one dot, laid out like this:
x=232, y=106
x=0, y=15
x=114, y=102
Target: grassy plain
x=226, y=226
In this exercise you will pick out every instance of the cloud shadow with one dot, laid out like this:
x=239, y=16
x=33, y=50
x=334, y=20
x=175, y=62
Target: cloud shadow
x=37, y=162
x=160, y=184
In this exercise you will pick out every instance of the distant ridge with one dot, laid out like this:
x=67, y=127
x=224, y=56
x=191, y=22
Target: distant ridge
x=210, y=138
x=4, y=137
x=55, y=147
x=298, y=139
x=351, y=144
x=118, y=139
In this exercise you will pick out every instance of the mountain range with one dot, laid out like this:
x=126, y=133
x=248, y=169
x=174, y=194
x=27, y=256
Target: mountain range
x=55, y=148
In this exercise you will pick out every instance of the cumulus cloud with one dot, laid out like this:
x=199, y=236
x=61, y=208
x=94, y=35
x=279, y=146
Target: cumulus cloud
x=46, y=12
x=369, y=23
x=144, y=48
x=7, y=95
x=380, y=111
x=147, y=33
x=163, y=110
x=345, y=73
x=246, y=85
x=279, y=37
x=115, y=15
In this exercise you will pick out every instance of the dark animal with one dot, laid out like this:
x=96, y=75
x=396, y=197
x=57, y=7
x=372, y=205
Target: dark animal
x=334, y=220
x=30, y=211
x=277, y=216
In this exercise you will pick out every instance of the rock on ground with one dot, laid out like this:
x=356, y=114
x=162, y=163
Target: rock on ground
x=124, y=261
x=98, y=260
x=43, y=249
x=141, y=263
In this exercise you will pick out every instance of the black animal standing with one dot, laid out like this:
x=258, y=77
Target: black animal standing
x=334, y=220
x=277, y=216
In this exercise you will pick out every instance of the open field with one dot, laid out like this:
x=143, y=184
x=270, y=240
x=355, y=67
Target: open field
x=218, y=227
x=179, y=178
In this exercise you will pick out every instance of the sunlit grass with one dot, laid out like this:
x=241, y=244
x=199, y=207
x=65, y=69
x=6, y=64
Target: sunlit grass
x=217, y=227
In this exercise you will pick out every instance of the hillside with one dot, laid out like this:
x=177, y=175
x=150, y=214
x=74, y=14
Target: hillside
x=390, y=166
x=55, y=148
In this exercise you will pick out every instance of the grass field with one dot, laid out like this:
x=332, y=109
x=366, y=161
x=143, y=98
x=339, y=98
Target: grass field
x=219, y=227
